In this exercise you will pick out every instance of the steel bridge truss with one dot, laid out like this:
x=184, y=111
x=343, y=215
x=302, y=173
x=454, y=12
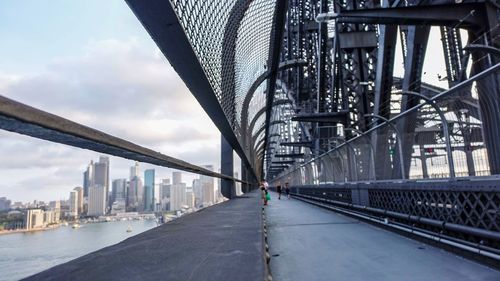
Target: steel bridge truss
x=305, y=92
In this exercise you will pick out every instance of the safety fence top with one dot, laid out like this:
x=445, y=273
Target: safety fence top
x=219, y=48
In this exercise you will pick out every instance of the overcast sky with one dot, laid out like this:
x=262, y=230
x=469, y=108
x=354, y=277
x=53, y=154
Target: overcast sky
x=92, y=62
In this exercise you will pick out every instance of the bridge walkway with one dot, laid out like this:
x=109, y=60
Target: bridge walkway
x=221, y=242
x=311, y=243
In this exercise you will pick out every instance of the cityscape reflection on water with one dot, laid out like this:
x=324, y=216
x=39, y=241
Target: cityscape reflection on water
x=24, y=254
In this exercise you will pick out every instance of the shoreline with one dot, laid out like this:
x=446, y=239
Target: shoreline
x=6, y=232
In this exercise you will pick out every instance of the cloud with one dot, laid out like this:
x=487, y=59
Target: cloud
x=119, y=87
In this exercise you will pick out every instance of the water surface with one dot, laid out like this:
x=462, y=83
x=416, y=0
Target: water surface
x=24, y=254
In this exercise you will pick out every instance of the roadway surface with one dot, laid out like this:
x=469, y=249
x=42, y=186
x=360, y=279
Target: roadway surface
x=222, y=242
x=310, y=243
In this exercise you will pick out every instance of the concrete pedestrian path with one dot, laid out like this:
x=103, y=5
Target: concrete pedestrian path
x=310, y=243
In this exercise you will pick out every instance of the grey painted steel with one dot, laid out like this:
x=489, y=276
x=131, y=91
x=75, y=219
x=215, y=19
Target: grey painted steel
x=400, y=142
x=263, y=77
x=161, y=22
x=27, y=120
x=318, y=244
x=446, y=131
x=206, y=245
x=444, y=94
x=274, y=56
x=228, y=188
x=468, y=15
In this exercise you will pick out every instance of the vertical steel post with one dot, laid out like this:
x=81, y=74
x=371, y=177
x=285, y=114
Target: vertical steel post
x=227, y=168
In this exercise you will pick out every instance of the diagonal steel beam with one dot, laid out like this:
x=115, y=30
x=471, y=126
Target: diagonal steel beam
x=23, y=119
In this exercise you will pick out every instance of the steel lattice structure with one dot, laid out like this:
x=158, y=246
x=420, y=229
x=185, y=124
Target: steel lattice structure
x=285, y=86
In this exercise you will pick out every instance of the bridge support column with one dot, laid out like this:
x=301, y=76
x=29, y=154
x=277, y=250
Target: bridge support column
x=244, y=177
x=227, y=164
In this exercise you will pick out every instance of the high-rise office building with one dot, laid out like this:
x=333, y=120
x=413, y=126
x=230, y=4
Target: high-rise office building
x=101, y=175
x=177, y=196
x=79, y=198
x=135, y=171
x=73, y=204
x=197, y=191
x=118, y=190
x=149, y=185
x=97, y=200
x=135, y=196
x=190, y=198
x=207, y=186
x=176, y=177
x=55, y=206
x=88, y=178
x=164, y=194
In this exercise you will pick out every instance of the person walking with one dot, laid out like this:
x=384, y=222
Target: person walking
x=287, y=190
x=278, y=189
x=264, y=193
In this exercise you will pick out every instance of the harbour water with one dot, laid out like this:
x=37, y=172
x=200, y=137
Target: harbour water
x=24, y=254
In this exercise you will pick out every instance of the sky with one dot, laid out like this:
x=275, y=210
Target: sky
x=91, y=62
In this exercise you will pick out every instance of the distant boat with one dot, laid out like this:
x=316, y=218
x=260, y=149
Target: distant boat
x=75, y=225
x=129, y=228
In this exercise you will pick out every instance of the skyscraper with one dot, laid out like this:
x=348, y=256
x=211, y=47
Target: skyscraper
x=88, y=177
x=118, y=190
x=197, y=190
x=134, y=171
x=97, y=200
x=164, y=194
x=149, y=184
x=135, y=196
x=176, y=177
x=177, y=196
x=208, y=189
x=79, y=198
x=73, y=204
x=190, y=198
x=101, y=175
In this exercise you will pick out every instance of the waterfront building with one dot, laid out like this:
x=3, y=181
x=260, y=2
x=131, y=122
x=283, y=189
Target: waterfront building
x=79, y=197
x=97, y=200
x=73, y=204
x=34, y=219
x=149, y=183
x=118, y=206
x=101, y=175
x=55, y=206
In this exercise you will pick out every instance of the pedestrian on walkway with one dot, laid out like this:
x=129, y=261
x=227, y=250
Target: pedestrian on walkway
x=278, y=189
x=287, y=190
x=265, y=193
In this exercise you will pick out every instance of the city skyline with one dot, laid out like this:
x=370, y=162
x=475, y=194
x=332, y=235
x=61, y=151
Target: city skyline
x=78, y=76
x=161, y=173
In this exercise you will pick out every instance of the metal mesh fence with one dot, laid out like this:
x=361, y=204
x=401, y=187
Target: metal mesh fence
x=231, y=41
x=442, y=137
